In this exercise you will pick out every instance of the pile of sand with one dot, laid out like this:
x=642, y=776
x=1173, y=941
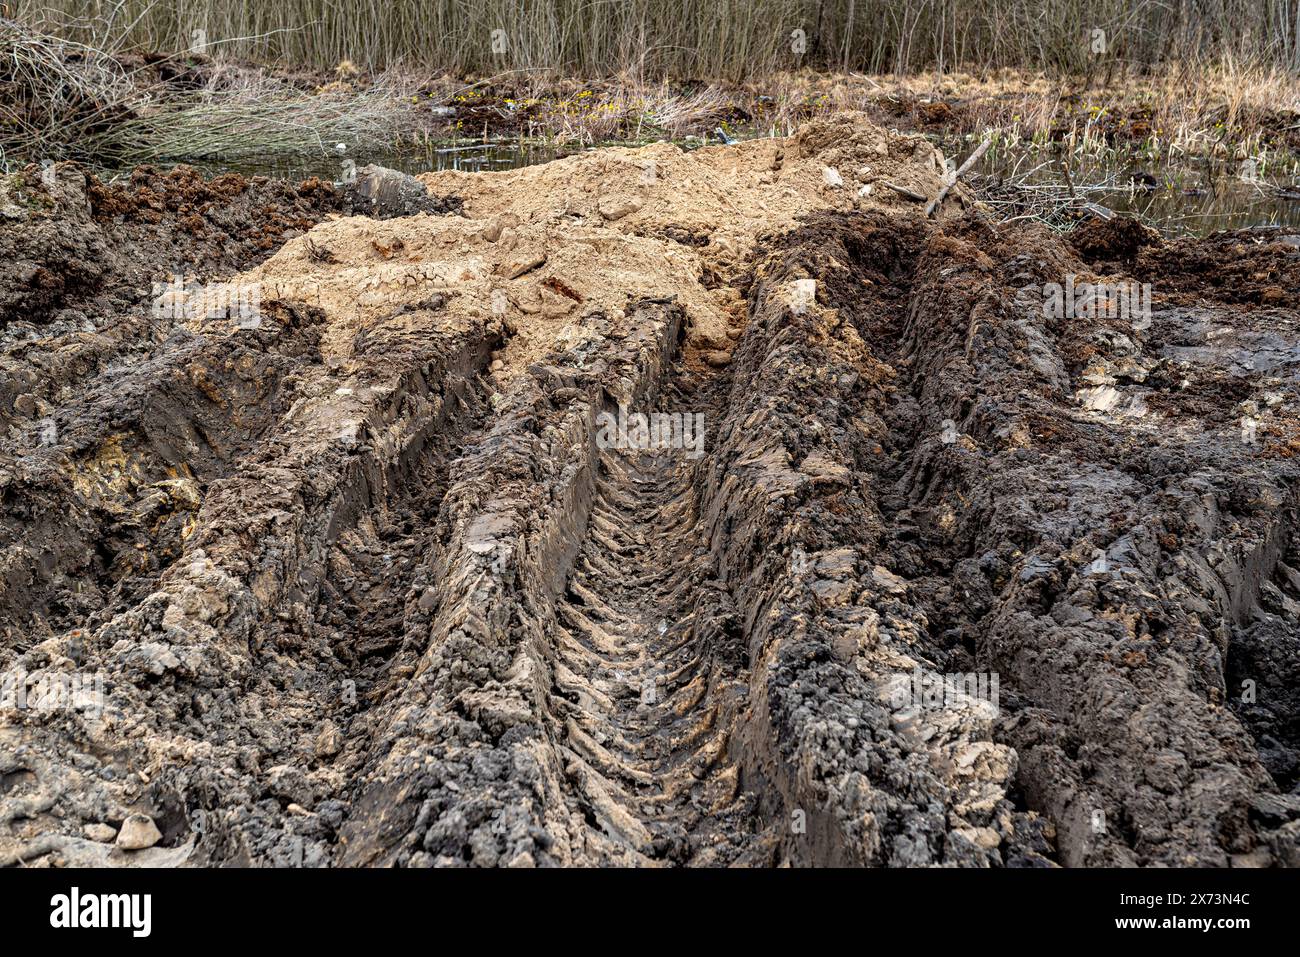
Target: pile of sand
x=545, y=246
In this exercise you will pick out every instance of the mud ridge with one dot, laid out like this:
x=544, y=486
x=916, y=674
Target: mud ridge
x=371, y=585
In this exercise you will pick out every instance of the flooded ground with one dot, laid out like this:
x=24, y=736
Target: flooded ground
x=1193, y=197
x=471, y=157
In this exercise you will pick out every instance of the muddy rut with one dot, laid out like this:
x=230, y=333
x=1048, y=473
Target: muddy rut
x=946, y=582
x=650, y=706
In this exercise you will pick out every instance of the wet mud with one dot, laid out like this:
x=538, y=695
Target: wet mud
x=370, y=585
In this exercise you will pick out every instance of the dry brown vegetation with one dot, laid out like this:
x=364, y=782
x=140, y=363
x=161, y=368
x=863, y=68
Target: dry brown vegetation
x=720, y=39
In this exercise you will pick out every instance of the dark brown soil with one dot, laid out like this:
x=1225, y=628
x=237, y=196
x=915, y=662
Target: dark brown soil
x=395, y=609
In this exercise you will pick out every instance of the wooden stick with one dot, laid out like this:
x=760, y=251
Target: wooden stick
x=1069, y=181
x=934, y=204
x=904, y=191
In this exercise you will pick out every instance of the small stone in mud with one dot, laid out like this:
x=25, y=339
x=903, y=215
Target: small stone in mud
x=717, y=358
x=103, y=833
x=138, y=832
x=387, y=193
x=614, y=207
x=888, y=580
x=329, y=742
x=522, y=264
x=290, y=783
x=497, y=225
x=1272, y=295
x=25, y=404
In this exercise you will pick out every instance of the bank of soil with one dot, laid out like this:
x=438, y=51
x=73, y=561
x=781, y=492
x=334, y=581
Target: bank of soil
x=366, y=585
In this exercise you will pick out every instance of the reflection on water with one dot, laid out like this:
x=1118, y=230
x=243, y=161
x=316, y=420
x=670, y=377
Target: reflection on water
x=470, y=157
x=1194, y=197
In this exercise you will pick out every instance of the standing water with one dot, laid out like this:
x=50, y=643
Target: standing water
x=1190, y=197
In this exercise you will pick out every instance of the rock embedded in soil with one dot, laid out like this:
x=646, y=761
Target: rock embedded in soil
x=138, y=832
x=103, y=833
x=387, y=193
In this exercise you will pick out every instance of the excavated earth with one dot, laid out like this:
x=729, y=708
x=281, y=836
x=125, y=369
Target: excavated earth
x=362, y=583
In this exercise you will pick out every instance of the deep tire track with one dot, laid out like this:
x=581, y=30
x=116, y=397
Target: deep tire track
x=649, y=725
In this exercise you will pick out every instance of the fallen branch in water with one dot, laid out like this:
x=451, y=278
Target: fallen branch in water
x=1021, y=196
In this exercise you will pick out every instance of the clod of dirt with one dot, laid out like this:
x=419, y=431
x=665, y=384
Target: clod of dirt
x=69, y=242
x=1117, y=240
